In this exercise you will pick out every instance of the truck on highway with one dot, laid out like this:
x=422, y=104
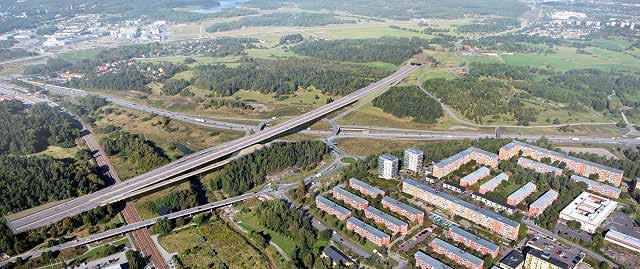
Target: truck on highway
x=575, y=139
x=200, y=120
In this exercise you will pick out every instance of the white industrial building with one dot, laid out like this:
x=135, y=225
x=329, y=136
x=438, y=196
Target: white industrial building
x=590, y=210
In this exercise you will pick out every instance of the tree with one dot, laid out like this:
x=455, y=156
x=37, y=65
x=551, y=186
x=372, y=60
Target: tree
x=135, y=260
x=163, y=226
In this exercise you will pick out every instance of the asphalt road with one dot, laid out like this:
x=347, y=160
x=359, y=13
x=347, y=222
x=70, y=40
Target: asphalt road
x=85, y=203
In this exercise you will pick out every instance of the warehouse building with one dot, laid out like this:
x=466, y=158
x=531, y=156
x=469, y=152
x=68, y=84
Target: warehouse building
x=332, y=208
x=455, y=254
x=473, y=242
x=494, y=222
x=403, y=209
x=392, y=223
x=365, y=188
x=536, y=208
x=454, y=162
x=369, y=232
x=579, y=166
x=351, y=199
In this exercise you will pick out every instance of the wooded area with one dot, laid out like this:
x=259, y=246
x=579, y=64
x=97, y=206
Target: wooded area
x=409, y=101
x=386, y=49
x=143, y=155
x=285, y=76
x=304, y=19
x=33, y=130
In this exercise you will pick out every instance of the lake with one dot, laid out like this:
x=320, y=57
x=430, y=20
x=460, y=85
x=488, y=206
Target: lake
x=224, y=4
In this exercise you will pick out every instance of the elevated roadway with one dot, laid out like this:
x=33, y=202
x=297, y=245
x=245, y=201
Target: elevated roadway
x=192, y=162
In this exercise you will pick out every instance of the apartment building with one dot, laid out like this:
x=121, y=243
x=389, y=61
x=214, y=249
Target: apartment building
x=493, y=203
x=454, y=162
x=455, y=254
x=536, y=208
x=332, y=208
x=581, y=167
x=472, y=241
x=623, y=240
x=598, y=187
x=493, y=183
x=520, y=194
x=403, y=209
x=365, y=188
x=473, y=178
x=388, y=166
x=369, y=232
x=496, y=223
x=351, y=199
x=538, y=166
x=393, y=224
x=413, y=159
x=425, y=261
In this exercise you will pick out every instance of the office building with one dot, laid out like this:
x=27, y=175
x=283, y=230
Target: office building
x=403, y=209
x=539, y=167
x=522, y=193
x=388, y=166
x=365, y=188
x=413, y=159
x=455, y=254
x=598, y=187
x=332, y=208
x=513, y=260
x=493, y=203
x=425, y=261
x=536, y=208
x=473, y=178
x=351, y=199
x=472, y=241
x=623, y=240
x=454, y=162
x=589, y=209
x=579, y=166
x=496, y=223
x=369, y=232
x=392, y=223
x=493, y=183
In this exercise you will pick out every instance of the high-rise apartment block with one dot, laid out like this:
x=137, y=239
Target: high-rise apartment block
x=413, y=159
x=388, y=166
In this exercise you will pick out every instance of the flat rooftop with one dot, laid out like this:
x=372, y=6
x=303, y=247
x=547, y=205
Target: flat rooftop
x=458, y=252
x=523, y=191
x=404, y=206
x=414, y=151
x=475, y=175
x=553, y=252
x=435, y=264
x=494, y=182
x=597, y=184
x=474, y=238
x=589, y=208
x=464, y=153
x=545, y=199
x=389, y=157
x=370, y=229
x=385, y=216
x=369, y=188
x=349, y=195
x=540, y=165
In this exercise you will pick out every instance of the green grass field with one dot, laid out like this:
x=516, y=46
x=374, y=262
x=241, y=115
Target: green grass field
x=250, y=223
x=567, y=58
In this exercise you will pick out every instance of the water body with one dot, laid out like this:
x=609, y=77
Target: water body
x=224, y=4
x=182, y=148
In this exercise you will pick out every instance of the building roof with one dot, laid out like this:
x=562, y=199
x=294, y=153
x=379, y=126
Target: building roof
x=561, y=155
x=472, y=237
x=476, y=175
x=435, y=264
x=414, y=151
x=369, y=188
x=389, y=157
x=349, y=195
x=493, y=200
x=513, y=259
x=522, y=192
x=402, y=205
x=451, y=248
x=494, y=182
x=463, y=203
x=368, y=228
x=623, y=237
x=385, y=216
x=333, y=205
x=590, y=182
x=546, y=257
x=540, y=165
x=545, y=199
x=464, y=153
x=336, y=255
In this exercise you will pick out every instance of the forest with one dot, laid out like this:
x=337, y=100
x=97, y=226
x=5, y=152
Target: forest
x=33, y=130
x=489, y=25
x=129, y=78
x=285, y=76
x=304, y=19
x=26, y=182
x=174, y=86
x=410, y=101
x=291, y=39
x=293, y=223
x=249, y=171
x=478, y=98
x=386, y=49
x=235, y=104
x=143, y=155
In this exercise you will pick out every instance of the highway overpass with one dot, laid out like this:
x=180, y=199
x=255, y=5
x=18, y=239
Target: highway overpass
x=192, y=162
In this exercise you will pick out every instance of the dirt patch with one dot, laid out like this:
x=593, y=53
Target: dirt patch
x=597, y=151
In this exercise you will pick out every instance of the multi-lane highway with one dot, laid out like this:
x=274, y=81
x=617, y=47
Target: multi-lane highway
x=194, y=161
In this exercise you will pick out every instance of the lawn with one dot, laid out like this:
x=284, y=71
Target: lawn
x=212, y=244
x=366, y=147
x=567, y=58
x=78, y=55
x=59, y=152
x=249, y=222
